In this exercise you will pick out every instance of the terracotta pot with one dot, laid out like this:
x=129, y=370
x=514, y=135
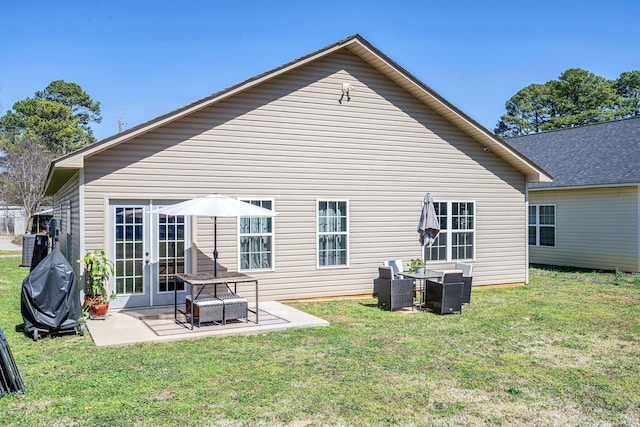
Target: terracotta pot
x=96, y=310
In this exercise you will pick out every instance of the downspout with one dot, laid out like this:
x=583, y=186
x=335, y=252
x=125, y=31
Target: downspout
x=150, y=256
x=81, y=232
x=526, y=234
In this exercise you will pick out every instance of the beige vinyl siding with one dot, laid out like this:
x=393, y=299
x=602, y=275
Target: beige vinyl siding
x=69, y=237
x=290, y=140
x=595, y=228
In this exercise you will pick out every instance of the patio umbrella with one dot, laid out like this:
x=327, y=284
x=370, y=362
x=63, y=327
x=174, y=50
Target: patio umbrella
x=214, y=206
x=428, y=226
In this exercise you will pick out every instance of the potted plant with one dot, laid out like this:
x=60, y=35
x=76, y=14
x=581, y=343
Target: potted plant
x=417, y=266
x=97, y=269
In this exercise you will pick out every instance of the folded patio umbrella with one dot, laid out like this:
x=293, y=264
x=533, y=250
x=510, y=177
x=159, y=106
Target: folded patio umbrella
x=215, y=205
x=428, y=226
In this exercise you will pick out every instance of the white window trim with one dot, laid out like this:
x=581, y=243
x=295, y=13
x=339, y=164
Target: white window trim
x=449, y=232
x=150, y=249
x=346, y=233
x=154, y=251
x=113, y=207
x=272, y=234
x=537, y=225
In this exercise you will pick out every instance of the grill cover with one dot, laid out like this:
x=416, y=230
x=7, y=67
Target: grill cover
x=50, y=296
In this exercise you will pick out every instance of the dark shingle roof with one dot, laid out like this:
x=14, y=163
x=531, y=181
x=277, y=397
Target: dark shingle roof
x=598, y=154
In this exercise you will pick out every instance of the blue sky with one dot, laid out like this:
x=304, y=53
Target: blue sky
x=142, y=59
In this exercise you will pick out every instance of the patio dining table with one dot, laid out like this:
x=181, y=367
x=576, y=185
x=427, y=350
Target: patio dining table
x=197, y=283
x=422, y=278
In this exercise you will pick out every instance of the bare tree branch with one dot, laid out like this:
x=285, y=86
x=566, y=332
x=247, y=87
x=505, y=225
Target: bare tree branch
x=25, y=167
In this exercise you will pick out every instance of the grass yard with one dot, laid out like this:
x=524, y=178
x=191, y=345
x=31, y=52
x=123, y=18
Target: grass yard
x=563, y=351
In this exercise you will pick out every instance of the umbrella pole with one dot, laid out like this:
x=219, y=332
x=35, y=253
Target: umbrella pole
x=215, y=246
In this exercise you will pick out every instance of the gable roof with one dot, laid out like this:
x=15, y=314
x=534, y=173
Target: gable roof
x=63, y=168
x=599, y=154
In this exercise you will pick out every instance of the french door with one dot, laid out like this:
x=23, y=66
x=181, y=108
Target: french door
x=148, y=250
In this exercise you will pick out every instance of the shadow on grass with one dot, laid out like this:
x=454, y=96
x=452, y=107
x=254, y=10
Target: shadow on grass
x=567, y=269
x=370, y=305
x=50, y=333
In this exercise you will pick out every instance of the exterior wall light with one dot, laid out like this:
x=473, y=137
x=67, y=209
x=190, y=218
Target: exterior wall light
x=346, y=88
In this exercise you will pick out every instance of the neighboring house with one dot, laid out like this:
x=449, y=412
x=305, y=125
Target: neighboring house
x=13, y=220
x=589, y=216
x=346, y=173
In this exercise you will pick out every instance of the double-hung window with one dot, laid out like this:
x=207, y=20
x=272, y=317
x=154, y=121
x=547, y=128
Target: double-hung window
x=333, y=233
x=456, y=240
x=542, y=225
x=256, y=239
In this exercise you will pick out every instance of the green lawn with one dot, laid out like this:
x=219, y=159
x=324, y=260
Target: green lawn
x=563, y=351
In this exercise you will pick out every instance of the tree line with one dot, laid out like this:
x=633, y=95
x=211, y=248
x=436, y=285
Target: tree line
x=578, y=97
x=36, y=130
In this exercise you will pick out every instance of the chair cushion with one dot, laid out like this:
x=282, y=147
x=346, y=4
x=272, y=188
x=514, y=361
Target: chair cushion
x=385, y=272
x=396, y=266
x=451, y=276
x=466, y=269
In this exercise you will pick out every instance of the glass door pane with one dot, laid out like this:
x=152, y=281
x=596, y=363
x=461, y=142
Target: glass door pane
x=171, y=251
x=129, y=254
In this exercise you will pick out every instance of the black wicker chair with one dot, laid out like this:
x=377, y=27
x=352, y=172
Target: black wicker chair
x=394, y=293
x=445, y=296
x=396, y=267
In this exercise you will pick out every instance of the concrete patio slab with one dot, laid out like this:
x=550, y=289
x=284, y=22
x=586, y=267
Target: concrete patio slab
x=123, y=327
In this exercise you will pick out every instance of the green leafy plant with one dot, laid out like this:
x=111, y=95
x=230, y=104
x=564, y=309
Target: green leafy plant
x=618, y=277
x=416, y=262
x=98, y=268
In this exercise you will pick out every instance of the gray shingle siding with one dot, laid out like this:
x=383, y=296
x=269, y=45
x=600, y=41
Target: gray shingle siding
x=593, y=155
